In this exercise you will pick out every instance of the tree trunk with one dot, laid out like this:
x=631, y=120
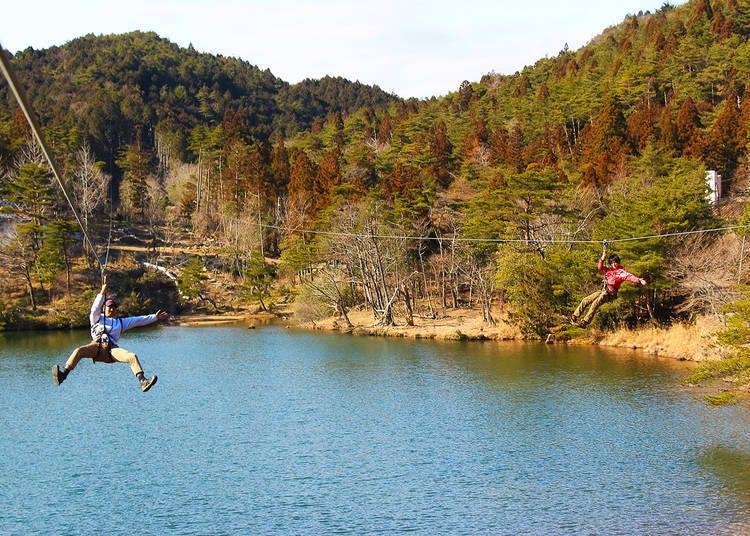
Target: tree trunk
x=30, y=288
x=426, y=292
x=342, y=310
x=68, y=270
x=407, y=305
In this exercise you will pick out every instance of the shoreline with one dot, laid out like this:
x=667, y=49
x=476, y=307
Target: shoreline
x=680, y=342
x=686, y=347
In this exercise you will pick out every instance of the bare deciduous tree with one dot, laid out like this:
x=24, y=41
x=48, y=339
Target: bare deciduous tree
x=18, y=257
x=375, y=255
x=241, y=236
x=89, y=185
x=333, y=285
x=706, y=270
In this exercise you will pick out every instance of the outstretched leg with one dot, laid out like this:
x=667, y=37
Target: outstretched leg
x=124, y=356
x=585, y=302
x=602, y=297
x=121, y=355
x=92, y=350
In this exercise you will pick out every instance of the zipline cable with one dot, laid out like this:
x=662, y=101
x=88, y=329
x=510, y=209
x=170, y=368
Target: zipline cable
x=498, y=240
x=109, y=235
x=15, y=87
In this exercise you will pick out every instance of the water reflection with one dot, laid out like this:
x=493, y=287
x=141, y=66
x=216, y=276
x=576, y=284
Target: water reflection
x=732, y=467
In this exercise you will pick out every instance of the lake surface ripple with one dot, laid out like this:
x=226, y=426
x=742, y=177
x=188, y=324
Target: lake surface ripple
x=277, y=431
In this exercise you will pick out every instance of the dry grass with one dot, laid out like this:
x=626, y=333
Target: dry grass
x=457, y=324
x=685, y=342
x=692, y=342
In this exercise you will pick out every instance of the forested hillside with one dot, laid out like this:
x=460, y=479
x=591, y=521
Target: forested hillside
x=116, y=90
x=499, y=193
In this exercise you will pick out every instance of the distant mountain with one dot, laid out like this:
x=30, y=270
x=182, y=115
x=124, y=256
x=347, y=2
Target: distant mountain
x=114, y=88
x=610, y=141
x=675, y=79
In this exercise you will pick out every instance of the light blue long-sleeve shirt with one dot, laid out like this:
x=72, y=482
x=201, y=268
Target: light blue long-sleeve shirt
x=114, y=327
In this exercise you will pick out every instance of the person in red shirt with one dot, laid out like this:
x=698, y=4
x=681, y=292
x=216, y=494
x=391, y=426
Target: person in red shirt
x=614, y=275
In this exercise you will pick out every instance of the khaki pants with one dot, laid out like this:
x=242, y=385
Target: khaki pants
x=593, y=301
x=99, y=353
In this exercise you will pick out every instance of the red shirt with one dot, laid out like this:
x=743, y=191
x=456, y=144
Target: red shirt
x=615, y=276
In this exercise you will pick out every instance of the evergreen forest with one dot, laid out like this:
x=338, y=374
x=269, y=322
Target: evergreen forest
x=339, y=195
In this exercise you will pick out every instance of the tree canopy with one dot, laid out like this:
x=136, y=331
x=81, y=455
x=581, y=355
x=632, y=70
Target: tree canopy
x=499, y=190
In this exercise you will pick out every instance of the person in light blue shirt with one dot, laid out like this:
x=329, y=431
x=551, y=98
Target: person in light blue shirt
x=106, y=329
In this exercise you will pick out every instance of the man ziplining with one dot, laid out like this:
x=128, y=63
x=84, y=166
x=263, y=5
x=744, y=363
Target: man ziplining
x=106, y=329
x=614, y=276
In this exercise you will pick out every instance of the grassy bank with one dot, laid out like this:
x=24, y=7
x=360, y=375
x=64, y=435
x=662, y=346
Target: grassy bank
x=685, y=342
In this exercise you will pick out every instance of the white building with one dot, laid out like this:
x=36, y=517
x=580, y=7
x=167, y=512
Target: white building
x=713, y=180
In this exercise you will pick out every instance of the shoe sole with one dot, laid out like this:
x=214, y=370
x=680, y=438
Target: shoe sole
x=56, y=374
x=150, y=384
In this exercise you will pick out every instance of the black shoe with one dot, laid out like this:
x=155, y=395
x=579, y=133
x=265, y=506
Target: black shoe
x=147, y=383
x=58, y=375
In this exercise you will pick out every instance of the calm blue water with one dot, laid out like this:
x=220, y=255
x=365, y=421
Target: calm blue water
x=275, y=431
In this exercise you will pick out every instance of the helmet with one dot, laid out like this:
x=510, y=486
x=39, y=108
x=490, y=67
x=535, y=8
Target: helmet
x=614, y=258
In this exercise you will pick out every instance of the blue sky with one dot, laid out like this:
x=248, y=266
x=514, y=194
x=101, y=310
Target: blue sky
x=415, y=48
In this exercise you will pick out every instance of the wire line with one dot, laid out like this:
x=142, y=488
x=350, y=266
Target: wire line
x=10, y=76
x=12, y=81
x=496, y=240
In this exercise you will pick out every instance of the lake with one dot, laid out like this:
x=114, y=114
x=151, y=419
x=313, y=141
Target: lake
x=279, y=431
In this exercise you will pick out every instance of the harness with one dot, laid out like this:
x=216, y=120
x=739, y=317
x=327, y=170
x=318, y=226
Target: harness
x=612, y=294
x=100, y=335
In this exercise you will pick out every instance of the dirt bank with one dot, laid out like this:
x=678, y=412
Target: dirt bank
x=247, y=318
x=684, y=342
x=455, y=325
